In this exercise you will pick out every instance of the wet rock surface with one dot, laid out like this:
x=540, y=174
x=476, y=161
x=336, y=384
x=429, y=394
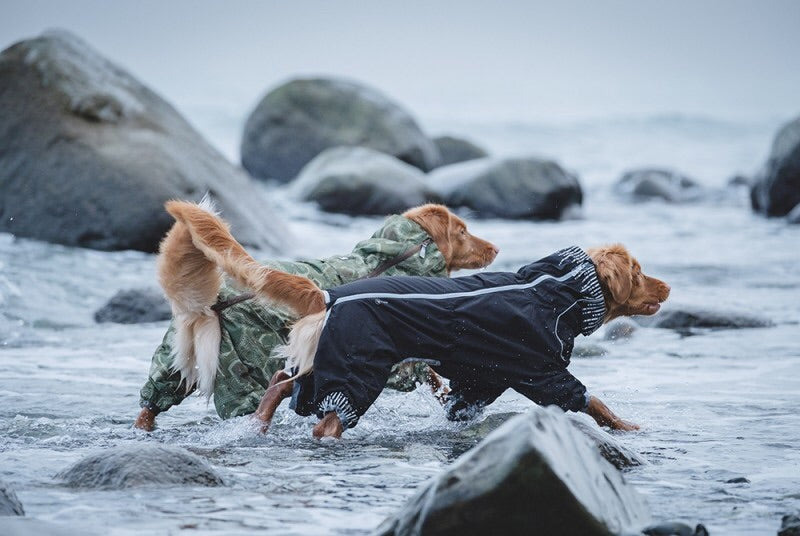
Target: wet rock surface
x=655, y=183
x=90, y=155
x=534, y=473
x=609, y=448
x=360, y=181
x=688, y=319
x=453, y=150
x=620, y=329
x=140, y=465
x=675, y=529
x=135, y=306
x=776, y=190
x=790, y=525
x=513, y=188
x=296, y=121
x=9, y=503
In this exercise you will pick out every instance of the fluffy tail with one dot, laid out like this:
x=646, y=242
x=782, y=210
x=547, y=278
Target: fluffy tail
x=303, y=340
x=192, y=282
x=212, y=237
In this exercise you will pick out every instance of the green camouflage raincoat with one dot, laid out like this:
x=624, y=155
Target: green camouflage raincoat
x=251, y=330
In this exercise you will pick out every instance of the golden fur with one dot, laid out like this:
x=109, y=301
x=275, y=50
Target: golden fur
x=200, y=244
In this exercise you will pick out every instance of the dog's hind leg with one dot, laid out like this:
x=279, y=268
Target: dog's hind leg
x=280, y=387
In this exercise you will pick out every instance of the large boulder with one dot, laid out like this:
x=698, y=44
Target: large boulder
x=296, y=121
x=134, y=307
x=655, y=183
x=453, y=150
x=9, y=504
x=515, y=188
x=790, y=525
x=140, y=465
x=89, y=154
x=609, y=448
x=687, y=318
x=777, y=187
x=536, y=474
x=357, y=180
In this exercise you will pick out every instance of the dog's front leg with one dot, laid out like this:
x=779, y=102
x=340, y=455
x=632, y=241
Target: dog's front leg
x=146, y=420
x=278, y=390
x=605, y=417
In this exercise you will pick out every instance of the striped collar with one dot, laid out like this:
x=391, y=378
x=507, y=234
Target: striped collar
x=594, y=304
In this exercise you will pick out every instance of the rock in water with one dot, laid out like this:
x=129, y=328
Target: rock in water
x=140, y=465
x=652, y=183
x=515, y=188
x=9, y=504
x=453, y=150
x=790, y=525
x=620, y=328
x=536, y=474
x=794, y=215
x=360, y=181
x=296, y=121
x=609, y=448
x=777, y=188
x=89, y=155
x=134, y=307
x=688, y=318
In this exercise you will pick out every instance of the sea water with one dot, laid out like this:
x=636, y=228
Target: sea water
x=715, y=406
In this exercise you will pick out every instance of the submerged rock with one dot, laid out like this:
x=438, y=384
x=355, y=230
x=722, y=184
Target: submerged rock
x=135, y=306
x=654, y=183
x=790, y=525
x=690, y=318
x=296, y=121
x=675, y=529
x=356, y=180
x=453, y=150
x=609, y=448
x=140, y=465
x=89, y=155
x=517, y=188
x=776, y=190
x=9, y=504
x=534, y=474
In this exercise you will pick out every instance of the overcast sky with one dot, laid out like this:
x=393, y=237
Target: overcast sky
x=500, y=60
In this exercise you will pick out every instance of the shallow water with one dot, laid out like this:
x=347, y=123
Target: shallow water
x=713, y=407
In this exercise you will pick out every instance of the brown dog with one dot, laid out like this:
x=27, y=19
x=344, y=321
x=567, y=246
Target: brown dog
x=625, y=291
x=200, y=243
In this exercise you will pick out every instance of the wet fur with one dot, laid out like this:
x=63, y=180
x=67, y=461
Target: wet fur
x=200, y=244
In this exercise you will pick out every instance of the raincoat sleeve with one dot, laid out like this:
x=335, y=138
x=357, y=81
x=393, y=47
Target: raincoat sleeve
x=468, y=396
x=559, y=388
x=164, y=388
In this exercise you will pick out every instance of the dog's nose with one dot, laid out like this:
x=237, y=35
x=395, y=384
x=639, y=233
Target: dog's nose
x=494, y=249
x=667, y=290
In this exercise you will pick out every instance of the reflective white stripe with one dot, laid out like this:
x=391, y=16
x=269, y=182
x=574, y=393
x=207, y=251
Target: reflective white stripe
x=326, y=296
x=478, y=292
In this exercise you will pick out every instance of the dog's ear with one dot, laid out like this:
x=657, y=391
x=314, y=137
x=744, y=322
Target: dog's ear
x=614, y=269
x=436, y=220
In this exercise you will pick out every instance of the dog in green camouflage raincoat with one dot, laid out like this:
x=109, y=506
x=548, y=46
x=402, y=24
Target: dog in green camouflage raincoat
x=251, y=329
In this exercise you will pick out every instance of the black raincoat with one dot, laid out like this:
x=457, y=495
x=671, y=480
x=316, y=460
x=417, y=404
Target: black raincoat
x=485, y=332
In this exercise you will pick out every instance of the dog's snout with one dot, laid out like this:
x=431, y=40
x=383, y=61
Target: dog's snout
x=665, y=290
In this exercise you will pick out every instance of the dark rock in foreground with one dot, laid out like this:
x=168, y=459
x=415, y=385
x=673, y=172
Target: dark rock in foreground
x=140, y=465
x=790, y=525
x=9, y=504
x=296, y=121
x=689, y=318
x=89, y=155
x=777, y=188
x=515, y=188
x=134, y=307
x=653, y=183
x=534, y=474
x=454, y=150
x=356, y=180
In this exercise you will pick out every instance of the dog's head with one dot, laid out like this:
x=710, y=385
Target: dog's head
x=626, y=289
x=459, y=248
